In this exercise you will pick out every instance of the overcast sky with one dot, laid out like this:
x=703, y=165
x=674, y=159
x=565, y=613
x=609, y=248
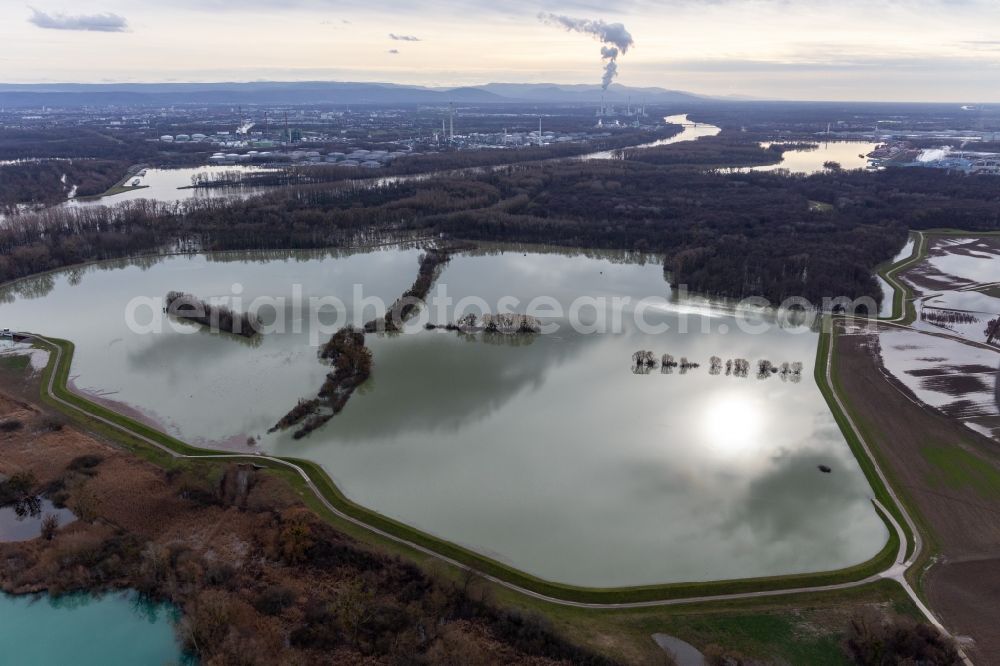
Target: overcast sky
x=918, y=50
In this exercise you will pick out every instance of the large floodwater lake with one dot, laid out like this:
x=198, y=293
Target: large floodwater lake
x=545, y=452
x=848, y=154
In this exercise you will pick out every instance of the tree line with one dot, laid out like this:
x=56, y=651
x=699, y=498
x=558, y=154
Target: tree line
x=729, y=235
x=352, y=365
x=644, y=362
x=407, y=305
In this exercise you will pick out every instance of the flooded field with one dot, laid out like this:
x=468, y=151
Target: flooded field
x=906, y=251
x=888, y=293
x=950, y=360
x=171, y=186
x=958, y=379
x=956, y=286
x=546, y=452
x=885, y=307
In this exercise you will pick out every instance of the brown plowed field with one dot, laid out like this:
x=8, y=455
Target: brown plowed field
x=951, y=476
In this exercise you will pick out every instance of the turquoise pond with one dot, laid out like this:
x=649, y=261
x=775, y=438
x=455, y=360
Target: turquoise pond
x=87, y=631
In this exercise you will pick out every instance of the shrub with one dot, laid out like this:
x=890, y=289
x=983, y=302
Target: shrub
x=10, y=425
x=220, y=574
x=59, y=498
x=50, y=525
x=84, y=505
x=295, y=540
x=18, y=487
x=876, y=641
x=85, y=462
x=53, y=423
x=274, y=599
x=207, y=621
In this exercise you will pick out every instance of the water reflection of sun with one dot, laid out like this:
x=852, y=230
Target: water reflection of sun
x=732, y=423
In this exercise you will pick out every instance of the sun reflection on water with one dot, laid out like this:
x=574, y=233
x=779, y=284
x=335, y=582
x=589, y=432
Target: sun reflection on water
x=732, y=423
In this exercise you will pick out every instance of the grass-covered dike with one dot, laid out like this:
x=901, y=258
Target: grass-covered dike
x=160, y=447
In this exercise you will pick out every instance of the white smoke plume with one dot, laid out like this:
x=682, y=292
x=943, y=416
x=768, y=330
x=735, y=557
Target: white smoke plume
x=615, y=38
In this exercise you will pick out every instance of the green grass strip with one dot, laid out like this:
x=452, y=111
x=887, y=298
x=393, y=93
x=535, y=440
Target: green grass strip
x=827, y=346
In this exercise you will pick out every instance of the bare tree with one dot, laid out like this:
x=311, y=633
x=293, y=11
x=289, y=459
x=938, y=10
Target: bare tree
x=643, y=362
x=468, y=321
x=50, y=525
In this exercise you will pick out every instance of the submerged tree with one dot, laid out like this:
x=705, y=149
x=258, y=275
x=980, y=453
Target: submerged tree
x=796, y=376
x=765, y=369
x=992, y=331
x=468, y=321
x=643, y=362
x=509, y=323
x=407, y=305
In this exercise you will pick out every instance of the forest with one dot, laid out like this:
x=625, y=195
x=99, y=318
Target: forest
x=51, y=181
x=731, y=235
x=48, y=162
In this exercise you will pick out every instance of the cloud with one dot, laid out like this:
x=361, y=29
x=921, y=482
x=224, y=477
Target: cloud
x=107, y=22
x=394, y=51
x=403, y=38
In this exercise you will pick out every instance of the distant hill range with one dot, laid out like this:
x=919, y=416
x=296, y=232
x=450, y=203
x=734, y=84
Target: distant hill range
x=323, y=92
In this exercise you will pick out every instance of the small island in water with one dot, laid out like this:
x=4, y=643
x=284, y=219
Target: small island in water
x=216, y=317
